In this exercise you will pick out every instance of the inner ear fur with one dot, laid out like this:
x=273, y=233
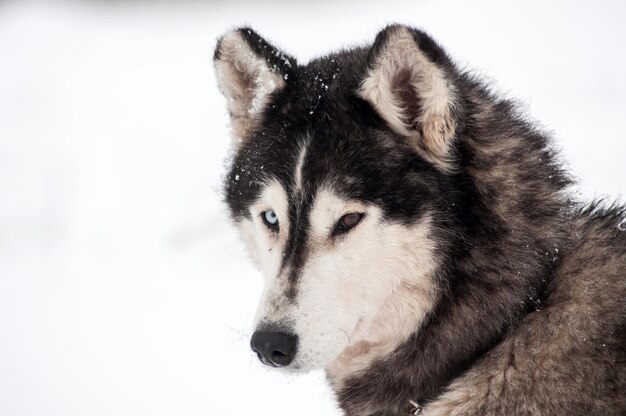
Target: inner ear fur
x=409, y=82
x=248, y=71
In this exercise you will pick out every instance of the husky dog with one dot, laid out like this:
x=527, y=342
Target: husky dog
x=417, y=237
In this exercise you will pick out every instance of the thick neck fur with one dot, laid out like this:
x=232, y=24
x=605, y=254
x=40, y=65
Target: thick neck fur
x=512, y=194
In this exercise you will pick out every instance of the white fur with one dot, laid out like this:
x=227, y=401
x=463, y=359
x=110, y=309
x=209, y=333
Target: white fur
x=246, y=80
x=299, y=166
x=359, y=295
x=266, y=247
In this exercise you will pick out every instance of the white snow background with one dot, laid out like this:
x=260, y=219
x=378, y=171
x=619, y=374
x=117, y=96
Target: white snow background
x=123, y=288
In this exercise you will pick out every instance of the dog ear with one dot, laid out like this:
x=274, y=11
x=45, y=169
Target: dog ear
x=248, y=71
x=409, y=82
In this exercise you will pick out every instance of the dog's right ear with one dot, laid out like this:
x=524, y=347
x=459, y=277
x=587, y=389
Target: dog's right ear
x=249, y=70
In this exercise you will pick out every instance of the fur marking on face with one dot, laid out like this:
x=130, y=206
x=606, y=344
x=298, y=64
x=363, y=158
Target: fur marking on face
x=416, y=236
x=377, y=276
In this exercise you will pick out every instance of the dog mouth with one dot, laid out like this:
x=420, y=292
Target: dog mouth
x=266, y=361
x=276, y=361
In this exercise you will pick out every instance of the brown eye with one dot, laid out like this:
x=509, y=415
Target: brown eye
x=347, y=222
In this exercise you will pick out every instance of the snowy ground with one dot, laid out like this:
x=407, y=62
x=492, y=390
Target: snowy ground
x=123, y=289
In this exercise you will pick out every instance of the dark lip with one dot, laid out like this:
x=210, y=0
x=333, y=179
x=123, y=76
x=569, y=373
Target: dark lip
x=267, y=362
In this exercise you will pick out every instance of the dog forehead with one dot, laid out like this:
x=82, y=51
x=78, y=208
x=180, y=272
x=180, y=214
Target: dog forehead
x=309, y=163
x=327, y=138
x=320, y=206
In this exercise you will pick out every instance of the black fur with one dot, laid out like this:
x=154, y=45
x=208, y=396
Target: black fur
x=504, y=222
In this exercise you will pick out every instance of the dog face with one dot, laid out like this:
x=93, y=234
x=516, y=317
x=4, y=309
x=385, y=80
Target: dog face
x=338, y=185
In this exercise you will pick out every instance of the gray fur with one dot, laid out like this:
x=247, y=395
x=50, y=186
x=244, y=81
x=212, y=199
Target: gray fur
x=530, y=311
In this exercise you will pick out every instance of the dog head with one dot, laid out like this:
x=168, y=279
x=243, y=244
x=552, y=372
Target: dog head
x=339, y=186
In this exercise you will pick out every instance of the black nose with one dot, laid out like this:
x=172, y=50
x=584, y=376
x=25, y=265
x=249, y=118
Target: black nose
x=274, y=348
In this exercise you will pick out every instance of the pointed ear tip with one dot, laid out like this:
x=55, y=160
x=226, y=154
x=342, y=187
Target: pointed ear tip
x=389, y=35
x=221, y=43
x=396, y=29
x=396, y=26
x=228, y=38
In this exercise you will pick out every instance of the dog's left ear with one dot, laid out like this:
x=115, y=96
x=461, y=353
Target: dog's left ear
x=410, y=84
x=249, y=71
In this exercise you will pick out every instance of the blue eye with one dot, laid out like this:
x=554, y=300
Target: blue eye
x=270, y=219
